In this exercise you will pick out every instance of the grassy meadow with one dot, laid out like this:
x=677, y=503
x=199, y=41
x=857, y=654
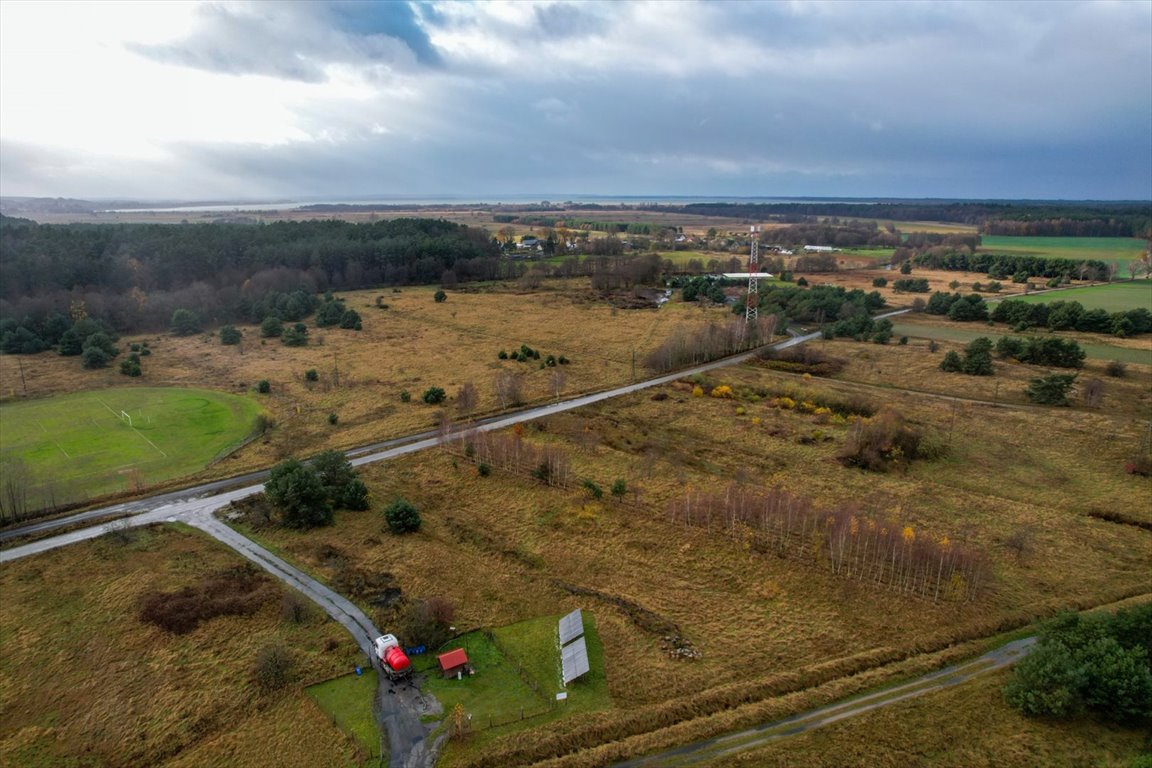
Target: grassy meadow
x=505, y=548
x=1097, y=347
x=84, y=681
x=79, y=445
x=1114, y=297
x=1106, y=249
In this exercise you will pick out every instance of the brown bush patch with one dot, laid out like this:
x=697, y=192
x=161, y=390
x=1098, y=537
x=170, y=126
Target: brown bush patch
x=238, y=591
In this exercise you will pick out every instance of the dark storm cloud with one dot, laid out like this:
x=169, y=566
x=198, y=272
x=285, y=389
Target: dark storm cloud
x=296, y=40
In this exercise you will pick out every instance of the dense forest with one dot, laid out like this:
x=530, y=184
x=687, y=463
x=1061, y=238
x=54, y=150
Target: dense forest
x=133, y=277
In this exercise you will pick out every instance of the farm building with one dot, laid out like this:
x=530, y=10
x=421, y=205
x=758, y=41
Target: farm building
x=454, y=663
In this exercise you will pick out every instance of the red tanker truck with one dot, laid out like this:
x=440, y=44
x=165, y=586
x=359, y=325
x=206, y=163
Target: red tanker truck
x=392, y=658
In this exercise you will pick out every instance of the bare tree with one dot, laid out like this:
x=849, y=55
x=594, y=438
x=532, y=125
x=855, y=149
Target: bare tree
x=466, y=399
x=557, y=382
x=509, y=388
x=1093, y=393
x=14, y=491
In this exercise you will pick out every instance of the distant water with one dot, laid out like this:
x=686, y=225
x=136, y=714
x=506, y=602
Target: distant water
x=254, y=206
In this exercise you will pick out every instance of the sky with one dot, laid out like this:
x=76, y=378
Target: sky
x=475, y=100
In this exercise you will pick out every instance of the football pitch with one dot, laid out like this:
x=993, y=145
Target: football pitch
x=76, y=446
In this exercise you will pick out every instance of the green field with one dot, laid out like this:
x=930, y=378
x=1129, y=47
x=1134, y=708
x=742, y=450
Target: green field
x=77, y=446
x=966, y=333
x=348, y=701
x=498, y=693
x=1106, y=249
x=1114, y=297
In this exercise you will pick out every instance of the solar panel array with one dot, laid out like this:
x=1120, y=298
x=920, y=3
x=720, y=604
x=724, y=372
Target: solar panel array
x=571, y=627
x=573, y=650
x=574, y=659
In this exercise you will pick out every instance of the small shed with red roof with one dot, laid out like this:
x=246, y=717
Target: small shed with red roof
x=454, y=663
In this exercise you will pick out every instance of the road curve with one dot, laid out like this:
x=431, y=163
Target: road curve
x=762, y=735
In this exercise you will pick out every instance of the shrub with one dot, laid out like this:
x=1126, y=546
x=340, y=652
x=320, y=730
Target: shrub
x=952, y=362
x=433, y=395
x=402, y=517
x=185, y=322
x=880, y=443
x=440, y=297
x=879, y=282
x=405, y=396
x=230, y=335
x=272, y=669
x=295, y=608
x=351, y=320
x=903, y=341
x=802, y=282
x=333, y=418
x=311, y=375
x=95, y=357
x=296, y=336
x=483, y=469
x=271, y=327
x=593, y=490
x=562, y=360
x=723, y=391
x=906, y=268
x=1116, y=369
x=297, y=492
x=239, y=591
x=912, y=285
x=130, y=368
x=264, y=386
x=619, y=488
x=1050, y=390
x=502, y=355
x=1097, y=662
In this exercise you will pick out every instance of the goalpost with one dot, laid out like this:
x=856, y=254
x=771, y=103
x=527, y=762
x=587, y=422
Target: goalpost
x=127, y=417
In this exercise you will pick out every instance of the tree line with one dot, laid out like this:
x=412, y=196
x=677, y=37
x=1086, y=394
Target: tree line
x=1115, y=219
x=1072, y=316
x=999, y=266
x=133, y=277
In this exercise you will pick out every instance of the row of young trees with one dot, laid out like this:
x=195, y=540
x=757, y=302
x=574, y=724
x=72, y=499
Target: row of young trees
x=509, y=452
x=686, y=347
x=840, y=539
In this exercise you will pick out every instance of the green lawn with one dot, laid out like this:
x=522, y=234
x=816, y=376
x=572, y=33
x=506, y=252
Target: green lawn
x=496, y=690
x=1114, y=297
x=965, y=333
x=79, y=445
x=348, y=701
x=1106, y=249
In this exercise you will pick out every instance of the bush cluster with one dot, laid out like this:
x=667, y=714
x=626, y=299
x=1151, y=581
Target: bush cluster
x=881, y=443
x=1071, y=316
x=1100, y=663
x=239, y=591
x=977, y=359
x=1037, y=350
x=526, y=353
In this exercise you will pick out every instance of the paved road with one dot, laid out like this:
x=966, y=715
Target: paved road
x=717, y=749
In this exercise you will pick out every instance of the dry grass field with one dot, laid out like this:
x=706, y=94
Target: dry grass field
x=412, y=345
x=969, y=726
x=1020, y=484
x=83, y=681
